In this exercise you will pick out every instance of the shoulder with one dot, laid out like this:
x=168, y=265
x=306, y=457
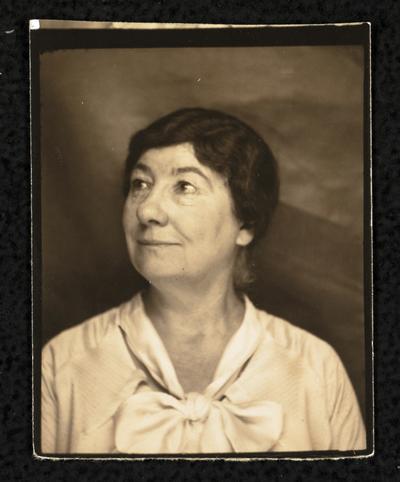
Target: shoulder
x=75, y=342
x=305, y=362
x=300, y=345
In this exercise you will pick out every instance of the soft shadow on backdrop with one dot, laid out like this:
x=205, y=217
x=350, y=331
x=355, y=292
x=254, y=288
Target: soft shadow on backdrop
x=307, y=102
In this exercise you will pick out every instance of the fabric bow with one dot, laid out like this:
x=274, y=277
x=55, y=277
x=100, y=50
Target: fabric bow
x=156, y=422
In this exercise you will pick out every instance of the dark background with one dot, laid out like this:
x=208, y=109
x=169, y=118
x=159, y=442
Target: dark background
x=306, y=101
x=15, y=299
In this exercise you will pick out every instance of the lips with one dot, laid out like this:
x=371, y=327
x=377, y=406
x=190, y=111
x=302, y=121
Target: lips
x=155, y=242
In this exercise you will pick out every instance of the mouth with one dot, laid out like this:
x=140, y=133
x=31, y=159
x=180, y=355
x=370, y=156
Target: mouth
x=155, y=242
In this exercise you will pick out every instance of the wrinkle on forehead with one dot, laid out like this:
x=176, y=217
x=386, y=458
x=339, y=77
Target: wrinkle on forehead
x=183, y=159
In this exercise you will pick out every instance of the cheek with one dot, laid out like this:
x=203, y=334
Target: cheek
x=211, y=225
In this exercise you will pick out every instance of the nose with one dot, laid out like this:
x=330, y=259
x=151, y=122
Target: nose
x=150, y=210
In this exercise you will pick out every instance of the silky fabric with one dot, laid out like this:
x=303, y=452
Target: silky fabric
x=109, y=386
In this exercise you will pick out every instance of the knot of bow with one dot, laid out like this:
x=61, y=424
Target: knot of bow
x=157, y=422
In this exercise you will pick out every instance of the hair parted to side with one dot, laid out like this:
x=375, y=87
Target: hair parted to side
x=234, y=150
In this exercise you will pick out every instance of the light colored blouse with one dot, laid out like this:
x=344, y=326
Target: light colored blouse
x=109, y=386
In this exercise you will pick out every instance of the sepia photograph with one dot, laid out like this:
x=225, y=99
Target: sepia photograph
x=202, y=241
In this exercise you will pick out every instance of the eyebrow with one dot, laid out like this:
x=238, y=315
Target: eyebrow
x=175, y=172
x=183, y=170
x=142, y=167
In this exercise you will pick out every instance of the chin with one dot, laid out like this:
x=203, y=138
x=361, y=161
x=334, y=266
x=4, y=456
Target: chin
x=155, y=273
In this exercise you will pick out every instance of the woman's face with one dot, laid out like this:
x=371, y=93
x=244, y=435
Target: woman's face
x=178, y=218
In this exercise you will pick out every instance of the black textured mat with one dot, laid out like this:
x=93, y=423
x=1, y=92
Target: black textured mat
x=16, y=460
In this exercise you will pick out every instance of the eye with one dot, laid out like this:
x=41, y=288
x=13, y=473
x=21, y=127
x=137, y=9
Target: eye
x=138, y=185
x=184, y=187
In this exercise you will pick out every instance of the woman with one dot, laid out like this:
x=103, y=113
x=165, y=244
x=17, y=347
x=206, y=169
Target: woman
x=190, y=365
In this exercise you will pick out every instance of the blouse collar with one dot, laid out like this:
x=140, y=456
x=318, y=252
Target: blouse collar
x=120, y=378
x=147, y=346
x=217, y=420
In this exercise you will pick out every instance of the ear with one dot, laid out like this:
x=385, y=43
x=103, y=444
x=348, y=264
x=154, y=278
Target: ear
x=244, y=237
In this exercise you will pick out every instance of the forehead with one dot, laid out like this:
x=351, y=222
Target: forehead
x=167, y=159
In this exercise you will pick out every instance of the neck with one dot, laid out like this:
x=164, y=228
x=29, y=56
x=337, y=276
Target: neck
x=191, y=311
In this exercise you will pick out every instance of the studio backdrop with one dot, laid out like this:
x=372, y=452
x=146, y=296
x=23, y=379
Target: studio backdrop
x=307, y=102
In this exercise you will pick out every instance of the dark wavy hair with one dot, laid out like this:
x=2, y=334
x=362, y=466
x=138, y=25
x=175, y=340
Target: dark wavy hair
x=233, y=149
